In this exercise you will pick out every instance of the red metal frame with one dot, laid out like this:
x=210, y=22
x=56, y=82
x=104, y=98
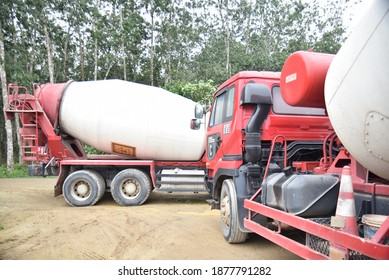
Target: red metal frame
x=37, y=128
x=360, y=178
x=273, y=142
x=370, y=248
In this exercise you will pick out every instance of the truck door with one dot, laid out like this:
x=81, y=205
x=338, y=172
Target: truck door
x=219, y=129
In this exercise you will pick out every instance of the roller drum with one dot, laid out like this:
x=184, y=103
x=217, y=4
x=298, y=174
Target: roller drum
x=132, y=119
x=357, y=91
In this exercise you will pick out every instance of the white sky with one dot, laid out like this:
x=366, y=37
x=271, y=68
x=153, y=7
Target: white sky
x=356, y=12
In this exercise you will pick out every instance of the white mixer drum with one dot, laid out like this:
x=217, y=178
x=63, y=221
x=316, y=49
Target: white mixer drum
x=132, y=119
x=357, y=90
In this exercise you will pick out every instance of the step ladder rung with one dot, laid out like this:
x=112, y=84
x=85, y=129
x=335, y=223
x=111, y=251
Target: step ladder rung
x=28, y=158
x=28, y=151
x=28, y=147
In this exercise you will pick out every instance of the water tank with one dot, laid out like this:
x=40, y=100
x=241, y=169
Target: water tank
x=302, y=78
x=127, y=118
x=357, y=90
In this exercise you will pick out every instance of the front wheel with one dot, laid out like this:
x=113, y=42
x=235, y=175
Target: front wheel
x=229, y=214
x=131, y=187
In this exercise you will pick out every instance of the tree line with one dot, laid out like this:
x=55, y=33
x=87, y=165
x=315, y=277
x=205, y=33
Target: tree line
x=188, y=47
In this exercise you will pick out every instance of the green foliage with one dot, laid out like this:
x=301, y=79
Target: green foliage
x=1, y=227
x=20, y=170
x=200, y=92
x=89, y=150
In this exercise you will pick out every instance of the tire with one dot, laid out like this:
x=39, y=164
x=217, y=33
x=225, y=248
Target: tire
x=229, y=214
x=83, y=188
x=131, y=187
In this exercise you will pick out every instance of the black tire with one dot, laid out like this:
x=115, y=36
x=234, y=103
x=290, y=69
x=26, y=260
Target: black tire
x=131, y=187
x=229, y=214
x=83, y=188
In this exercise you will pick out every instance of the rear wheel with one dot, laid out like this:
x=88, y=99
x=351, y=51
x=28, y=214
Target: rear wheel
x=131, y=187
x=229, y=214
x=83, y=188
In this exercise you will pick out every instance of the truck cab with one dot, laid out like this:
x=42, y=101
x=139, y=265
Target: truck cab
x=251, y=129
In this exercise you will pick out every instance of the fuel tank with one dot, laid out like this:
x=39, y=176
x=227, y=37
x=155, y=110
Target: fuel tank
x=131, y=119
x=357, y=90
x=304, y=195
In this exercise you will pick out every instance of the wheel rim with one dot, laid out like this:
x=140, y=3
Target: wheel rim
x=81, y=190
x=225, y=211
x=130, y=189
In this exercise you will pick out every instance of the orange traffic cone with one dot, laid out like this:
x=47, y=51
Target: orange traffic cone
x=345, y=218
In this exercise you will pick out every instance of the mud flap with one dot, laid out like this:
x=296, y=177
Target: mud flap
x=245, y=188
x=63, y=173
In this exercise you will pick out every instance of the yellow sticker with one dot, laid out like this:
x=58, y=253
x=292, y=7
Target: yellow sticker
x=123, y=149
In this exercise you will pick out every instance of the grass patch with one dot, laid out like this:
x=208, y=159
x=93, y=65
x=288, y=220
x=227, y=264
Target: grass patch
x=1, y=227
x=20, y=170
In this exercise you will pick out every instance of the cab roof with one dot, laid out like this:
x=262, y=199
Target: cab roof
x=251, y=75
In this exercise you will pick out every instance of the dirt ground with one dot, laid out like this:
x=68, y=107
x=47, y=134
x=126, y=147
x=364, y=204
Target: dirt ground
x=37, y=225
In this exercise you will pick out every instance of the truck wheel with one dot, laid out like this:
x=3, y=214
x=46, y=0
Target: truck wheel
x=229, y=214
x=83, y=188
x=130, y=187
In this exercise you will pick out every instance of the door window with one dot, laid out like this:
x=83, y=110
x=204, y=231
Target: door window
x=223, y=108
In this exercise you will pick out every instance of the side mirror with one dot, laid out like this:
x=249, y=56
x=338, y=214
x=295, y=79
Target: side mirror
x=199, y=111
x=195, y=124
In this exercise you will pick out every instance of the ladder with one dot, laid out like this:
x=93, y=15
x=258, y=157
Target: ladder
x=22, y=103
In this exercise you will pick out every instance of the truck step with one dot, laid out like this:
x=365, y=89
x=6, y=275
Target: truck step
x=177, y=189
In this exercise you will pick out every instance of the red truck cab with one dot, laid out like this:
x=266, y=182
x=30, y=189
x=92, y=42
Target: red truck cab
x=248, y=119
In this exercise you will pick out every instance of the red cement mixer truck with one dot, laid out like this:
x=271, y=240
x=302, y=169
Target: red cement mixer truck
x=304, y=150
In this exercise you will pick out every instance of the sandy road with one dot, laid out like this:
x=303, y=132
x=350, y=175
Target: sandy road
x=168, y=227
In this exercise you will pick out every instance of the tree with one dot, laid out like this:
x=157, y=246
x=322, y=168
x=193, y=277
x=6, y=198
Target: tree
x=328, y=21
x=200, y=92
x=41, y=9
x=152, y=8
x=8, y=124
